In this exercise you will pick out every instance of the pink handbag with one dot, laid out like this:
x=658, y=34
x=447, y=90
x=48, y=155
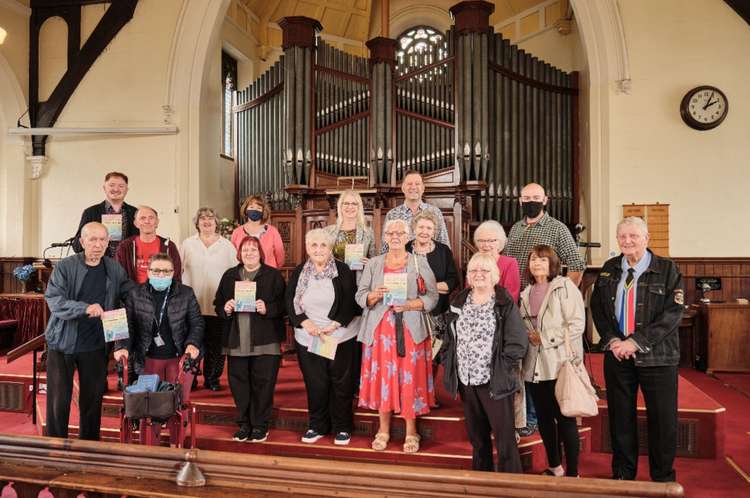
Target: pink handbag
x=573, y=390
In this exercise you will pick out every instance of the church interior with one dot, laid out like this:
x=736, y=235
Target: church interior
x=607, y=104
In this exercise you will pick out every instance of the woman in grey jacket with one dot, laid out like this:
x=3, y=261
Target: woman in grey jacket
x=552, y=307
x=396, y=373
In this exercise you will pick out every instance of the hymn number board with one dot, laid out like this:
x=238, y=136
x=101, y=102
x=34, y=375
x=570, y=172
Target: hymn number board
x=657, y=219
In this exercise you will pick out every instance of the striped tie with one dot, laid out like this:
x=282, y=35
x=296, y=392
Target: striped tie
x=627, y=308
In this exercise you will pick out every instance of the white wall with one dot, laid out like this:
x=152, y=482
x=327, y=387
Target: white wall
x=675, y=46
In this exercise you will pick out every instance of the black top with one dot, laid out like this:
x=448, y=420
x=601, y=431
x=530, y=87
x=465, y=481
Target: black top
x=168, y=350
x=444, y=267
x=93, y=291
x=95, y=212
x=344, y=307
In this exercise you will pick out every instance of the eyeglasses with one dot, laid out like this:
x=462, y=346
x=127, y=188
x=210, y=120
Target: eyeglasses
x=486, y=241
x=350, y=204
x=478, y=271
x=395, y=234
x=159, y=271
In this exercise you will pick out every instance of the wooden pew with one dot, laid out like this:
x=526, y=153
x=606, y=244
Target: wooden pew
x=134, y=470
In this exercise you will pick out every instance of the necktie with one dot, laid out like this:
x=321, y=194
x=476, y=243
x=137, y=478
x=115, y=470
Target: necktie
x=627, y=307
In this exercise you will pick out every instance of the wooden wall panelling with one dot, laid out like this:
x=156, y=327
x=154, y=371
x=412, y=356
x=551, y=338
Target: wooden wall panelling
x=733, y=272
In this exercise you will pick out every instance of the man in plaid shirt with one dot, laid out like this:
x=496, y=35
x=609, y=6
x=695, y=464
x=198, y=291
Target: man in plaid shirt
x=537, y=227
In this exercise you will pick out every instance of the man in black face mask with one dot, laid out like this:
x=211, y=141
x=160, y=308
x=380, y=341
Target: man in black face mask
x=535, y=228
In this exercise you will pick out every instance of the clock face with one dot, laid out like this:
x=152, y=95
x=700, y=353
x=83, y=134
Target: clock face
x=704, y=107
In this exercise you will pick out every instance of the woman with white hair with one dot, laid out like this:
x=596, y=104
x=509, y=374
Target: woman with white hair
x=484, y=342
x=205, y=257
x=396, y=373
x=351, y=228
x=320, y=304
x=490, y=238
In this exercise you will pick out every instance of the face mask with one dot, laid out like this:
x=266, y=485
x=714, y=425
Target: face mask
x=532, y=209
x=253, y=215
x=160, y=283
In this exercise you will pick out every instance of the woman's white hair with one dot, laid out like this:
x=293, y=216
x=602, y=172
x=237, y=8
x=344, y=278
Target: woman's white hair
x=319, y=235
x=496, y=228
x=636, y=221
x=484, y=261
x=399, y=221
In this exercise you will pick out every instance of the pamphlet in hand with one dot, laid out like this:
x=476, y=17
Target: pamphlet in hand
x=244, y=296
x=113, y=224
x=115, y=324
x=324, y=345
x=396, y=283
x=353, y=254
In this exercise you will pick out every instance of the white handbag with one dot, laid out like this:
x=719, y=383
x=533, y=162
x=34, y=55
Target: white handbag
x=573, y=390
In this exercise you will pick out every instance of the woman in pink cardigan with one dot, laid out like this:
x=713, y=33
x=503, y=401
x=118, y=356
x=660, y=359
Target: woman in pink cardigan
x=255, y=213
x=490, y=238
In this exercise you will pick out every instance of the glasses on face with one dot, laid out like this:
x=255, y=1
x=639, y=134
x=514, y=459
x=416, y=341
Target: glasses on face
x=350, y=204
x=486, y=241
x=479, y=271
x=160, y=271
x=395, y=234
x=206, y=217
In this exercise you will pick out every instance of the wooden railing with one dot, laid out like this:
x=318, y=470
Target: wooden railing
x=134, y=470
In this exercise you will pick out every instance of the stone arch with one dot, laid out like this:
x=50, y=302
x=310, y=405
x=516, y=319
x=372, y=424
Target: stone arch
x=417, y=15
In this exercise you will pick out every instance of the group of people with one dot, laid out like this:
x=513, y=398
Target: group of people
x=502, y=334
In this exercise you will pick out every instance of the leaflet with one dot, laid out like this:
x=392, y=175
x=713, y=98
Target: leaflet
x=353, y=254
x=396, y=283
x=113, y=224
x=244, y=296
x=115, y=324
x=324, y=345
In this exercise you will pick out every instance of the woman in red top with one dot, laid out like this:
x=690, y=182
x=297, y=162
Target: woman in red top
x=490, y=238
x=255, y=213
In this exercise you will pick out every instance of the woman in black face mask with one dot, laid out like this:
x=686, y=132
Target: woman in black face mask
x=255, y=213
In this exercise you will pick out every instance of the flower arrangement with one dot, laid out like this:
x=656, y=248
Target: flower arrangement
x=227, y=226
x=24, y=273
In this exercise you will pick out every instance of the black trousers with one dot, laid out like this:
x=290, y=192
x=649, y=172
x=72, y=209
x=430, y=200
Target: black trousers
x=659, y=387
x=555, y=427
x=252, y=380
x=330, y=388
x=92, y=379
x=213, y=361
x=485, y=416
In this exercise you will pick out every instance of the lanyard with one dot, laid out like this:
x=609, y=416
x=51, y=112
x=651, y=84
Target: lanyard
x=163, y=307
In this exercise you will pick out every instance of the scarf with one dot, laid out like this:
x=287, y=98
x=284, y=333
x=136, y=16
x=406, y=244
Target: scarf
x=308, y=272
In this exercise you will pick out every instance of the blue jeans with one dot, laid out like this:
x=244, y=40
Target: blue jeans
x=530, y=410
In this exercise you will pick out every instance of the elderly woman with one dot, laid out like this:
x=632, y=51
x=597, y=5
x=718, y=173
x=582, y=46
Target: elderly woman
x=252, y=339
x=484, y=342
x=490, y=238
x=255, y=213
x=558, y=301
x=396, y=371
x=320, y=304
x=351, y=228
x=205, y=257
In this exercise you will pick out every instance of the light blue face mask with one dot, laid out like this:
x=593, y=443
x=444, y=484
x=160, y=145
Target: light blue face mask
x=160, y=283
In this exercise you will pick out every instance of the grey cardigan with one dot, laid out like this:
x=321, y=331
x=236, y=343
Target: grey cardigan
x=372, y=277
x=65, y=310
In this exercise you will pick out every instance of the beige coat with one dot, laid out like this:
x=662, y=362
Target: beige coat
x=562, y=310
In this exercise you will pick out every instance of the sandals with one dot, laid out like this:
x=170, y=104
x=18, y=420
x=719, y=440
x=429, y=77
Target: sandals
x=381, y=441
x=411, y=443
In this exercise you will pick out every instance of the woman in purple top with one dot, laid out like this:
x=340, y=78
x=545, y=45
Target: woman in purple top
x=490, y=238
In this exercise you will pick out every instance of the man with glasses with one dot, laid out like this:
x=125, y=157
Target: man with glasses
x=164, y=323
x=539, y=228
x=134, y=253
x=413, y=187
x=116, y=214
x=80, y=289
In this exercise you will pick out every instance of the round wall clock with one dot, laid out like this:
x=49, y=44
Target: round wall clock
x=704, y=107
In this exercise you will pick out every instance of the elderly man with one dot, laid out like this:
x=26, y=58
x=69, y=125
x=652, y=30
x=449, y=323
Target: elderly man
x=113, y=212
x=80, y=289
x=135, y=252
x=637, y=306
x=537, y=227
x=413, y=187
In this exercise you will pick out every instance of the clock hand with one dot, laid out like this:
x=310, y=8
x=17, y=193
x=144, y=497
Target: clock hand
x=708, y=100
x=710, y=104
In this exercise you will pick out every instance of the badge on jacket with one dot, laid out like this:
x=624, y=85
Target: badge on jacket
x=679, y=296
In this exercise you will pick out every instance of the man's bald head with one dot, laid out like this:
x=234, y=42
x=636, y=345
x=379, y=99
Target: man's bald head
x=95, y=240
x=93, y=228
x=533, y=191
x=533, y=199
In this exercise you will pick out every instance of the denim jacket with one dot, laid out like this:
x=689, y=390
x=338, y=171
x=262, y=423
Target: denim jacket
x=659, y=307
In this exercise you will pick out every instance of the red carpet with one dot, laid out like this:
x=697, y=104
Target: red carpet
x=738, y=381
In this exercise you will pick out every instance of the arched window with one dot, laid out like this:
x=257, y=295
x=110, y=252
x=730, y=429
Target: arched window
x=418, y=47
x=229, y=84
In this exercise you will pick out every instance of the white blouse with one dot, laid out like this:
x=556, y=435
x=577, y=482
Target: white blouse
x=316, y=302
x=202, y=268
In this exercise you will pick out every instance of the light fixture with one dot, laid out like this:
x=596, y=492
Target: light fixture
x=3, y=34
